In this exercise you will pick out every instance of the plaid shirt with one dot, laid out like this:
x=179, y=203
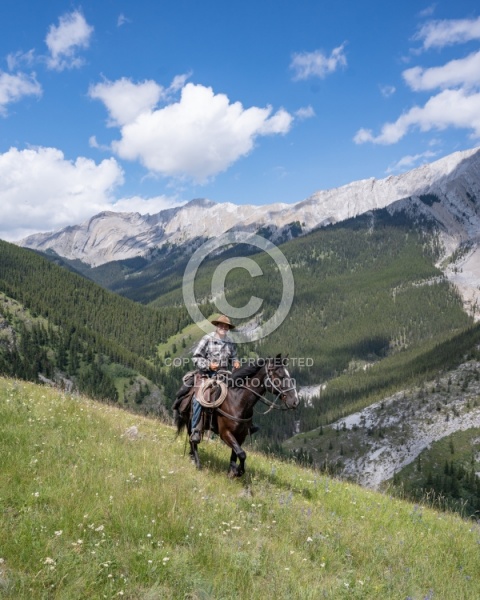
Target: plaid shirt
x=213, y=349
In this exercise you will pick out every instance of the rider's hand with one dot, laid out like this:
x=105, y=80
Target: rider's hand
x=236, y=364
x=214, y=366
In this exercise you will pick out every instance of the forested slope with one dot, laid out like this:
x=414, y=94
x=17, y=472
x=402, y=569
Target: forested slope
x=53, y=319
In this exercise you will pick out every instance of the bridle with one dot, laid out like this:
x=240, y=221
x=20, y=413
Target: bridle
x=268, y=382
x=280, y=390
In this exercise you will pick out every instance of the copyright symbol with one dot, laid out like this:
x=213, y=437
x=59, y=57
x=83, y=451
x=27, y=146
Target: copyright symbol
x=253, y=306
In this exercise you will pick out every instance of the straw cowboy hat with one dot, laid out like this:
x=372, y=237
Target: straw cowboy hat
x=223, y=320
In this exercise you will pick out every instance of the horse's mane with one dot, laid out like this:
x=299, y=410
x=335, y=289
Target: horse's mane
x=239, y=376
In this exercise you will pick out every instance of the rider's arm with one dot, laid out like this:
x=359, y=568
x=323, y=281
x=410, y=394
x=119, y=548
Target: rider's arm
x=234, y=357
x=199, y=355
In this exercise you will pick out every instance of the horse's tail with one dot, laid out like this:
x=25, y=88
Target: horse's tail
x=182, y=407
x=179, y=421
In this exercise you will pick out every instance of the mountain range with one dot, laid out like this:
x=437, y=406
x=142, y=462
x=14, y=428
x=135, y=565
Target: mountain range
x=443, y=193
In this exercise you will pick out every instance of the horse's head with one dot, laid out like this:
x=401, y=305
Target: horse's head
x=278, y=381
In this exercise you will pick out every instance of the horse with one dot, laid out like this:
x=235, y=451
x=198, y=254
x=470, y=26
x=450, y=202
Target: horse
x=232, y=419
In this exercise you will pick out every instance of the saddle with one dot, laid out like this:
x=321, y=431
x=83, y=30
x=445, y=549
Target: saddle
x=209, y=392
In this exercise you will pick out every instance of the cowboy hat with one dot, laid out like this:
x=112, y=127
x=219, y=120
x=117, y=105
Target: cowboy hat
x=223, y=320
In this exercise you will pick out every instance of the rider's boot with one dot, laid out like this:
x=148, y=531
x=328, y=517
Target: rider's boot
x=196, y=436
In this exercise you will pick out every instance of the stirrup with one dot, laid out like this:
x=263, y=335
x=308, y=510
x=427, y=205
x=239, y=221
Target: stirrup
x=195, y=436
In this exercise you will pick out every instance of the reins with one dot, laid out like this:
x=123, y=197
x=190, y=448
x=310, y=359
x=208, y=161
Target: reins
x=262, y=398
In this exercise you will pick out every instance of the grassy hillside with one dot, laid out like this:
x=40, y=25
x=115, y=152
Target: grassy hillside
x=89, y=511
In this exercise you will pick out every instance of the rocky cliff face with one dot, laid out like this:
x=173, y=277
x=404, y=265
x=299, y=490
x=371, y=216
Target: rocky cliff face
x=410, y=421
x=452, y=203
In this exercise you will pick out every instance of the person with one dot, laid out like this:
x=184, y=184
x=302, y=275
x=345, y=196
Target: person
x=215, y=351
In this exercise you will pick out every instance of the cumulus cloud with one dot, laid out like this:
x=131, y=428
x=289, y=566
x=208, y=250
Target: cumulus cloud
x=437, y=34
x=14, y=87
x=198, y=136
x=72, y=34
x=450, y=108
x=40, y=190
x=317, y=64
x=457, y=105
x=126, y=100
x=464, y=71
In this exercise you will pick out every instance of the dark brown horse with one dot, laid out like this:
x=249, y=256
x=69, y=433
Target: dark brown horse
x=232, y=420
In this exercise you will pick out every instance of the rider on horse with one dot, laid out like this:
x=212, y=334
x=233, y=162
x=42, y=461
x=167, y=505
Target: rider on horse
x=215, y=351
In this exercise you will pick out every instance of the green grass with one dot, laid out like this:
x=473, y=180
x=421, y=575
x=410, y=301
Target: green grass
x=189, y=335
x=87, y=512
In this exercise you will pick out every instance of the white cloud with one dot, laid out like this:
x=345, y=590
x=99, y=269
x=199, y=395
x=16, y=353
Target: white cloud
x=449, y=108
x=387, y=90
x=363, y=135
x=437, y=34
x=464, y=71
x=198, y=136
x=93, y=143
x=305, y=113
x=410, y=161
x=122, y=19
x=317, y=64
x=14, y=87
x=15, y=59
x=457, y=105
x=145, y=206
x=427, y=12
x=179, y=82
x=64, y=41
x=126, y=100
x=40, y=190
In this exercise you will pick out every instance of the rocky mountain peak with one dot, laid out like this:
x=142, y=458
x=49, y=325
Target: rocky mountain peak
x=454, y=180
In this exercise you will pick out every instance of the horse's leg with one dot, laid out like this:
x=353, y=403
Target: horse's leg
x=241, y=466
x=194, y=454
x=239, y=452
x=193, y=447
x=232, y=471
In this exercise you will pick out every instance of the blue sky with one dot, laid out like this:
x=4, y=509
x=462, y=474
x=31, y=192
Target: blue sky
x=139, y=106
